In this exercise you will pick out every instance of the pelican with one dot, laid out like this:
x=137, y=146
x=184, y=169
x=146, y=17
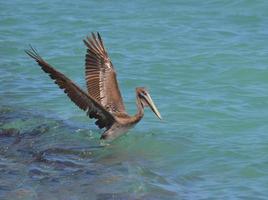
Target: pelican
x=103, y=100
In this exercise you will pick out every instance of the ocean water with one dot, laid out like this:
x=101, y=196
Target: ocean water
x=206, y=66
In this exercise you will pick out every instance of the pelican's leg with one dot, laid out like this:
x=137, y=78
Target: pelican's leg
x=104, y=135
x=115, y=131
x=110, y=133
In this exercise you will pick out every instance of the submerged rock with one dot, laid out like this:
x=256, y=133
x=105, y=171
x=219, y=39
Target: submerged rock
x=9, y=132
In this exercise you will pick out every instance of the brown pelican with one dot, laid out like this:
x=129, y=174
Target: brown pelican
x=103, y=100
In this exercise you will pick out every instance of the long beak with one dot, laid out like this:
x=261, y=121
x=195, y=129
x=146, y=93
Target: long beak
x=152, y=106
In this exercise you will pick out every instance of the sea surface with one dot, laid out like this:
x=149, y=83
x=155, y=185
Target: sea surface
x=205, y=64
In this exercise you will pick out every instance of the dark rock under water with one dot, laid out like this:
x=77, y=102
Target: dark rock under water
x=44, y=158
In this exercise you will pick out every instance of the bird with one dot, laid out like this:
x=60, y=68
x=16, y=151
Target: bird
x=102, y=100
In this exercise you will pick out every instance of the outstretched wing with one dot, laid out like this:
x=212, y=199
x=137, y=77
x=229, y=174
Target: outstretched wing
x=78, y=96
x=101, y=76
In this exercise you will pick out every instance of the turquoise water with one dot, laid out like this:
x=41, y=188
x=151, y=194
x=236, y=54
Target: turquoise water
x=205, y=64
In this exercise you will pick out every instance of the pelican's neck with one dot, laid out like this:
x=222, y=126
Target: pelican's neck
x=140, y=109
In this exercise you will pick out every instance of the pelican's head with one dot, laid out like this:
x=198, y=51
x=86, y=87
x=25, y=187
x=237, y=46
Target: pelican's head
x=146, y=100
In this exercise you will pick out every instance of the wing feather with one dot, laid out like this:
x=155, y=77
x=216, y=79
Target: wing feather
x=78, y=96
x=101, y=77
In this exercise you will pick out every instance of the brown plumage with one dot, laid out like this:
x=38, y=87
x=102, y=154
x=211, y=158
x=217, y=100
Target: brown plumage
x=103, y=100
x=101, y=76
